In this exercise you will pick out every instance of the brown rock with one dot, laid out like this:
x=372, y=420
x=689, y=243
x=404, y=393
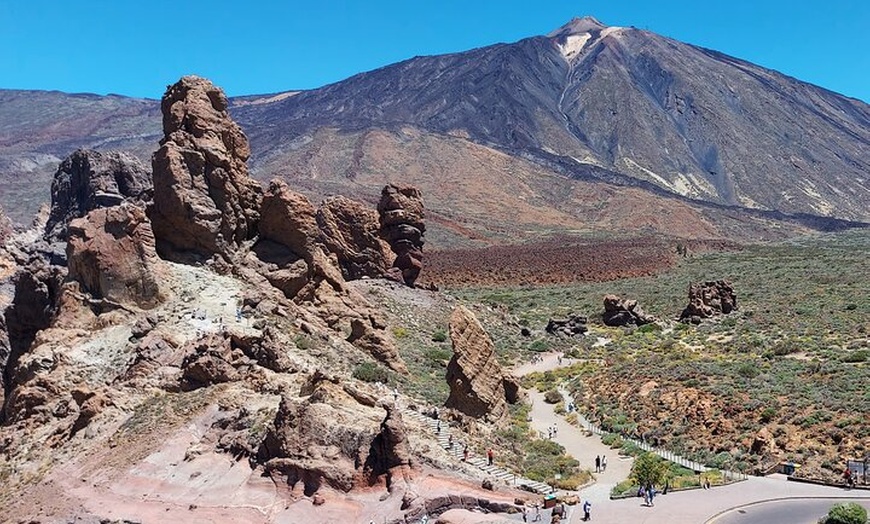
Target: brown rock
x=476, y=380
x=322, y=440
x=390, y=453
x=350, y=230
x=204, y=200
x=708, y=299
x=111, y=251
x=619, y=312
x=90, y=404
x=209, y=360
x=88, y=180
x=401, y=218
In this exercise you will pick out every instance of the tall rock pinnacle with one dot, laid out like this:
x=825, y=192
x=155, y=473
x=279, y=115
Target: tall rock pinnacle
x=204, y=200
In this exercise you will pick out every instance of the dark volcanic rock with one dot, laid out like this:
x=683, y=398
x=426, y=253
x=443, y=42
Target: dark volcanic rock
x=401, y=218
x=708, y=299
x=619, y=312
x=87, y=180
x=204, y=200
x=573, y=325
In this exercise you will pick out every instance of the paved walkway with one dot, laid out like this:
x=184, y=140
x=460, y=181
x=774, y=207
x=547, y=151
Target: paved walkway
x=682, y=507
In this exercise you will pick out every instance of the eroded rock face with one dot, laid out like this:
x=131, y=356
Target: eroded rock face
x=708, y=299
x=88, y=180
x=476, y=380
x=624, y=312
x=204, y=200
x=330, y=440
x=350, y=230
x=112, y=253
x=401, y=218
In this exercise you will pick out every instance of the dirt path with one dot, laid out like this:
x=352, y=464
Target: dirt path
x=684, y=507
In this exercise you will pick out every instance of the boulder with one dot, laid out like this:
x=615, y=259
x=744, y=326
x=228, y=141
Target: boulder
x=350, y=230
x=401, y=216
x=708, y=299
x=573, y=325
x=111, y=252
x=619, y=312
x=87, y=180
x=205, y=202
x=326, y=439
x=476, y=380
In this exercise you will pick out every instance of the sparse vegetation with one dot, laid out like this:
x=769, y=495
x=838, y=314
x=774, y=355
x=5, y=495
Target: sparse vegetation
x=371, y=372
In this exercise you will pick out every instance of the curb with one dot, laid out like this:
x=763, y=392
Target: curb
x=712, y=519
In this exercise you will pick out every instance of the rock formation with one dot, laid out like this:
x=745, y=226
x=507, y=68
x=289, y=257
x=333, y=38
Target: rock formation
x=87, y=180
x=573, y=325
x=204, y=200
x=289, y=240
x=112, y=253
x=330, y=440
x=478, y=386
x=708, y=299
x=401, y=219
x=619, y=312
x=350, y=230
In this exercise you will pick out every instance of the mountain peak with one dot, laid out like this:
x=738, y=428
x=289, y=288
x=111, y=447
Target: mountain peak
x=577, y=26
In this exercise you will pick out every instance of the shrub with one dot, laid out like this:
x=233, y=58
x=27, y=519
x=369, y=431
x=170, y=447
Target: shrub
x=400, y=332
x=649, y=469
x=439, y=336
x=848, y=513
x=767, y=414
x=371, y=372
x=856, y=356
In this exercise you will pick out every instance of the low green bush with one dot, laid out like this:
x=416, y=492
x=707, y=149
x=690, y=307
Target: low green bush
x=371, y=372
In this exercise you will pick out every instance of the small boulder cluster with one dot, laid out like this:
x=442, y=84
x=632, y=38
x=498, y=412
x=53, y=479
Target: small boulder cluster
x=708, y=299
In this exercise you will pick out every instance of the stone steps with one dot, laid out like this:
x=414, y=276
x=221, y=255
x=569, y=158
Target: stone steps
x=481, y=463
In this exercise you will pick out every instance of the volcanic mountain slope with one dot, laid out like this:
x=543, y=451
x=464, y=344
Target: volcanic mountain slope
x=618, y=107
x=689, y=120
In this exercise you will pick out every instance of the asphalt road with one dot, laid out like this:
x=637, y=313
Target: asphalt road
x=801, y=511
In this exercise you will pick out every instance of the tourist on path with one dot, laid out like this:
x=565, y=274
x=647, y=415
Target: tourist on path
x=603, y=463
x=587, y=511
x=489, y=456
x=597, y=463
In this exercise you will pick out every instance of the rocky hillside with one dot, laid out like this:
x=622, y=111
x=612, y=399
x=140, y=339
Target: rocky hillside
x=589, y=128
x=188, y=334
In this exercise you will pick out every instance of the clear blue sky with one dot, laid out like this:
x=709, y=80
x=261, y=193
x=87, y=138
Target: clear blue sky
x=137, y=47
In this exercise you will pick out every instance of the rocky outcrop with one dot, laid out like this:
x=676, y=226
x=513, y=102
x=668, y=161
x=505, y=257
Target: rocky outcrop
x=204, y=200
x=330, y=440
x=34, y=305
x=619, y=312
x=390, y=453
x=573, y=325
x=708, y=299
x=88, y=180
x=289, y=244
x=477, y=382
x=350, y=230
x=401, y=219
x=112, y=253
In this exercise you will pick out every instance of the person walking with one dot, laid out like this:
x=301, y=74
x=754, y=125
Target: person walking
x=587, y=511
x=597, y=463
x=603, y=463
x=489, y=456
x=651, y=490
x=465, y=453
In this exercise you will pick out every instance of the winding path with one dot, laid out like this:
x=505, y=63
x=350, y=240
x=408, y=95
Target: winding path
x=719, y=505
